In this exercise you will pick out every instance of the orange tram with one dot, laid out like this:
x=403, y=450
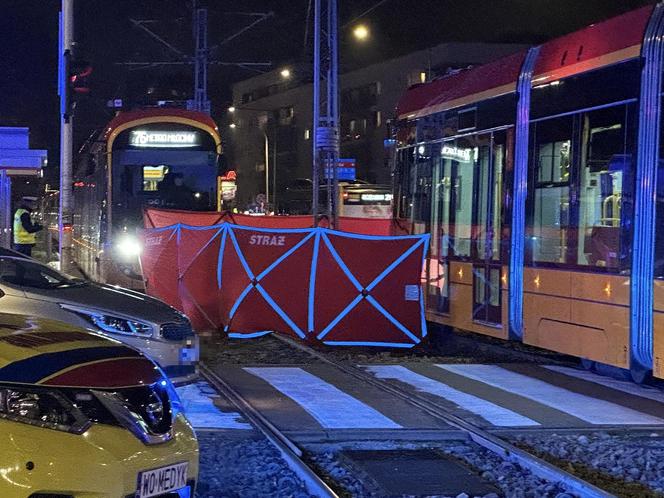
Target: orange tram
x=540, y=179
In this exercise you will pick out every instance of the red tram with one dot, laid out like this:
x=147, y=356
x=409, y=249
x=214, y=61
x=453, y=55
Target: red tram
x=152, y=157
x=540, y=179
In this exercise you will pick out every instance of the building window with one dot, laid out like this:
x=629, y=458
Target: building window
x=286, y=115
x=352, y=126
x=307, y=134
x=374, y=89
x=413, y=78
x=262, y=119
x=377, y=119
x=423, y=77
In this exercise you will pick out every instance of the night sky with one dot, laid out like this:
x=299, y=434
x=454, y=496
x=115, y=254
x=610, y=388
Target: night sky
x=105, y=36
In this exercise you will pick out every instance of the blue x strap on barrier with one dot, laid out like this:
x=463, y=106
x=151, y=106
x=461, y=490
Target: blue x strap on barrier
x=255, y=279
x=364, y=292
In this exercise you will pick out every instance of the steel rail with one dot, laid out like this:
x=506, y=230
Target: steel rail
x=491, y=442
x=289, y=450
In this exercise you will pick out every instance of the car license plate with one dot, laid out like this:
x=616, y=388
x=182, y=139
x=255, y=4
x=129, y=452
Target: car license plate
x=189, y=355
x=162, y=480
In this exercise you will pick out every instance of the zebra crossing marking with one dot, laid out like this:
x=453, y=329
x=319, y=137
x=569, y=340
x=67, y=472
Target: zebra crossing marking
x=331, y=407
x=586, y=408
x=492, y=413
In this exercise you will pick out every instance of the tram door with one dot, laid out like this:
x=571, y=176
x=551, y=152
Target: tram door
x=489, y=155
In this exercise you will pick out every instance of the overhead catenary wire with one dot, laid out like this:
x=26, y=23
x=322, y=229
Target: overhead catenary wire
x=368, y=11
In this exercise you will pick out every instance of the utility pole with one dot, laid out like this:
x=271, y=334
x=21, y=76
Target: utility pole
x=65, y=222
x=326, y=107
x=201, y=102
x=267, y=173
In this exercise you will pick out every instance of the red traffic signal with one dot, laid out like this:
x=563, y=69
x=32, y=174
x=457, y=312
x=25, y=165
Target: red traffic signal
x=79, y=74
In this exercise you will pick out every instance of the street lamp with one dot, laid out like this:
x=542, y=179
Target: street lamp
x=285, y=73
x=361, y=32
x=231, y=108
x=232, y=126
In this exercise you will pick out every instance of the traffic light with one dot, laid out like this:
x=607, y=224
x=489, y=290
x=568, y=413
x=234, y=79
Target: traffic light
x=77, y=82
x=79, y=76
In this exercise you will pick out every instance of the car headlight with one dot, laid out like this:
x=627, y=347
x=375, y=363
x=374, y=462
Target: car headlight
x=44, y=408
x=111, y=323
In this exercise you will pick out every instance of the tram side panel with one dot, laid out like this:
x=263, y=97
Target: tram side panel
x=658, y=329
x=576, y=313
x=658, y=284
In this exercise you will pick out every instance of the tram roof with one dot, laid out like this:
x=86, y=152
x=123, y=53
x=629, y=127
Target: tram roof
x=601, y=44
x=597, y=45
x=168, y=114
x=481, y=82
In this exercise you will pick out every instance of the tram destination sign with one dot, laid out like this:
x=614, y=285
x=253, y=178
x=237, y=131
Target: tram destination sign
x=163, y=139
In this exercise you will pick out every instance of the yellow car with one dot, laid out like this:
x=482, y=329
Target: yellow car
x=82, y=416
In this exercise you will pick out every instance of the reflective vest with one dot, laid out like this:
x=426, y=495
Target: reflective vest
x=21, y=235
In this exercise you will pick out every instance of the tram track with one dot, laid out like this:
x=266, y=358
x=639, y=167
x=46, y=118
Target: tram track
x=290, y=451
x=486, y=439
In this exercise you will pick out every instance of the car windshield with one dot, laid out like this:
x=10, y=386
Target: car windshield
x=26, y=273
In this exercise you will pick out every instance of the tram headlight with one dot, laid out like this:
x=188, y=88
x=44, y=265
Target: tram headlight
x=128, y=246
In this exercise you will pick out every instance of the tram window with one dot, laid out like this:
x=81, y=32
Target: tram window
x=468, y=119
x=602, y=178
x=406, y=169
x=464, y=154
x=422, y=192
x=548, y=233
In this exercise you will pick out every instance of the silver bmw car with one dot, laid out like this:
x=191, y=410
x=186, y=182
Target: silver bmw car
x=29, y=287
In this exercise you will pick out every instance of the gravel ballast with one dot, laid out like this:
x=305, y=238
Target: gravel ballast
x=240, y=467
x=628, y=465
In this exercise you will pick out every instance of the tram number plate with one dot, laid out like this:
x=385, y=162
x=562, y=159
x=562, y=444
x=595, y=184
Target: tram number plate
x=162, y=480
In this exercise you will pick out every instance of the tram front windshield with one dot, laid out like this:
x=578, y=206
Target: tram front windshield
x=186, y=187
x=172, y=176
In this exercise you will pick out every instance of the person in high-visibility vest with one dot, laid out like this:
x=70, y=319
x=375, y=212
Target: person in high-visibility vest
x=24, y=228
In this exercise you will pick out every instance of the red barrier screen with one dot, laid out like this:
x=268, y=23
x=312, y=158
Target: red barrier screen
x=159, y=218
x=340, y=288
